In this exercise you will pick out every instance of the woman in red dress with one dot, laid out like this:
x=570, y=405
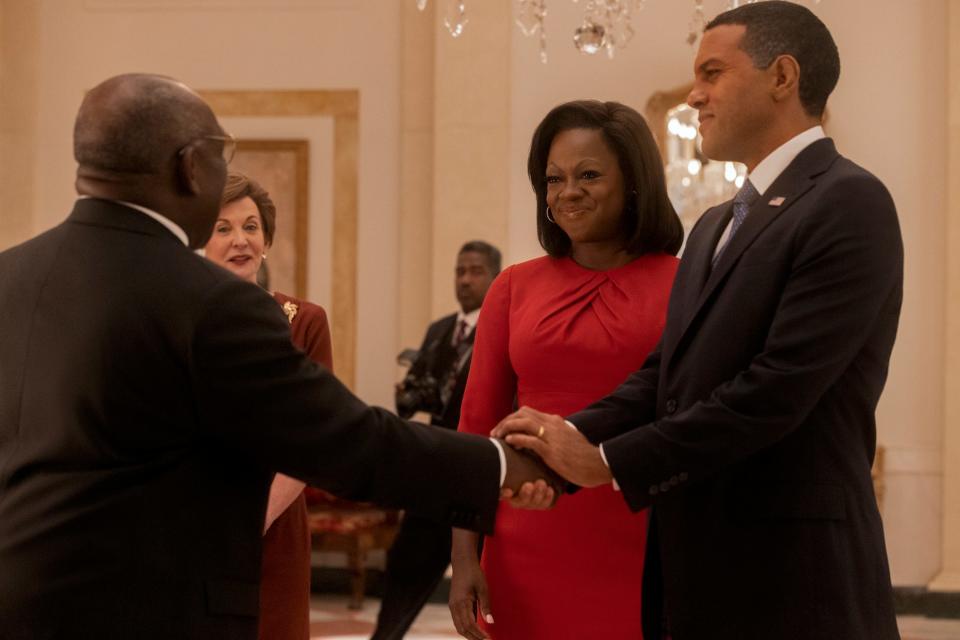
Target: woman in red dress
x=557, y=333
x=243, y=232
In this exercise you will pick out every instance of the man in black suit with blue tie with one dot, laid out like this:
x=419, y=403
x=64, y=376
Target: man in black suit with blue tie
x=750, y=430
x=147, y=397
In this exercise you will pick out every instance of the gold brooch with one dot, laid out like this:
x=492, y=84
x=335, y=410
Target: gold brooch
x=290, y=309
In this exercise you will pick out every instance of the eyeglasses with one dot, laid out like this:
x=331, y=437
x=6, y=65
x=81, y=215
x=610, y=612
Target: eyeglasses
x=229, y=145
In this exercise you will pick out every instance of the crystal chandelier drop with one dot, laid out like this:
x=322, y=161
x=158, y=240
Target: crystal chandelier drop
x=607, y=25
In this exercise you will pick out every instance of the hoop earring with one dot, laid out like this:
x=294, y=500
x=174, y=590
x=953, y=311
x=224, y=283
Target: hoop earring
x=549, y=217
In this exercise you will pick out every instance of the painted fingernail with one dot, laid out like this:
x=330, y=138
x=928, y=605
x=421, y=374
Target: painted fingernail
x=488, y=618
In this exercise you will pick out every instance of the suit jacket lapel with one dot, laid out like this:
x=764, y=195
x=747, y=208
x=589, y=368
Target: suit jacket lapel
x=444, y=331
x=693, y=272
x=795, y=181
x=695, y=267
x=701, y=263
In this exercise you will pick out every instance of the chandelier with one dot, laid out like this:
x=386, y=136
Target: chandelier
x=607, y=24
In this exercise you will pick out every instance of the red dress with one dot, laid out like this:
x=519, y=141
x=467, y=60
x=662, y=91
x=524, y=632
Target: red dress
x=285, y=570
x=560, y=336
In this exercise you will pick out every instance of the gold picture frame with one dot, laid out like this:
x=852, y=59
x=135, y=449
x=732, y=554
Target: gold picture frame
x=282, y=167
x=656, y=111
x=343, y=106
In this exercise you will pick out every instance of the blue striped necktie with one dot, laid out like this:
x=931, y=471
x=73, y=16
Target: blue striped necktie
x=741, y=206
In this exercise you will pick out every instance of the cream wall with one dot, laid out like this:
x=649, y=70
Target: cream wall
x=415, y=239
x=949, y=577
x=887, y=114
x=471, y=139
x=251, y=45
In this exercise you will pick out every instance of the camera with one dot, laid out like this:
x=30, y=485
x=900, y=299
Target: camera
x=418, y=391
x=418, y=394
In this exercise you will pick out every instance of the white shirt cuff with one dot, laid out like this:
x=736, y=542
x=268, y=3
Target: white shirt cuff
x=503, y=461
x=603, y=456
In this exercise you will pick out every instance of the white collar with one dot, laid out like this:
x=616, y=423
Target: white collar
x=174, y=228
x=774, y=164
x=469, y=318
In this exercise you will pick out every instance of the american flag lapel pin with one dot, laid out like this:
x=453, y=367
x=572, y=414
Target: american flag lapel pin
x=776, y=202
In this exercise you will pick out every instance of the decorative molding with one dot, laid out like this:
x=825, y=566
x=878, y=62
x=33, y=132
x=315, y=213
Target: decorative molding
x=344, y=107
x=657, y=107
x=912, y=461
x=932, y=603
x=275, y=157
x=950, y=565
x=204, y=5
x=285, y=102
x=877, y=473
x=947, y=581
x=345, y=180
x=20, y=52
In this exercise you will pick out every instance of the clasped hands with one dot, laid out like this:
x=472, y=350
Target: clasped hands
x=567, y=453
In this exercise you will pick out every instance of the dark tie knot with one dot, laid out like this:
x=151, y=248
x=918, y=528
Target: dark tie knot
x=460, y=333
x=747, y=194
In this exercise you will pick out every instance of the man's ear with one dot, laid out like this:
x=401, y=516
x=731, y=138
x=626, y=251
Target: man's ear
x=188, y=170
x=785, y=72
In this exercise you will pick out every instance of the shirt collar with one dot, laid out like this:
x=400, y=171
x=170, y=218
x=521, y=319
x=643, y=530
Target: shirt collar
x=172, y=226
x=773, y=165
x=469, y=318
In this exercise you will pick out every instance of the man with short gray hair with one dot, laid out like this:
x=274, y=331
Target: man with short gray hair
x=147, y=397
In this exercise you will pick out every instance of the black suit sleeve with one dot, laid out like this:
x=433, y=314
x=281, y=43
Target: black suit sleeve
x=843, y=286
x=419, y=366
x=634, y=402
x=264, y=399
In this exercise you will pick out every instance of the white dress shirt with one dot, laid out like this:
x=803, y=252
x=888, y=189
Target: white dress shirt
x=470, y=319
x=172, y=226
x=773, y=165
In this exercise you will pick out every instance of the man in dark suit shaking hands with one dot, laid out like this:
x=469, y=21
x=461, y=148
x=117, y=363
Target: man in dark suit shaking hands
x=750, y=430
x=147, y=396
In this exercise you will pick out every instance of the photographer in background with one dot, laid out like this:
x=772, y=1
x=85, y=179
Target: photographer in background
x=437, y=377
x=434, y=384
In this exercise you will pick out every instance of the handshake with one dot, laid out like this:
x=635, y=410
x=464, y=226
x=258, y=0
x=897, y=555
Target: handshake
x=545, y=452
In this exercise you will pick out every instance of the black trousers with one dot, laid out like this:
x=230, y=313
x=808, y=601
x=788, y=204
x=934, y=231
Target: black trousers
x=415, y=565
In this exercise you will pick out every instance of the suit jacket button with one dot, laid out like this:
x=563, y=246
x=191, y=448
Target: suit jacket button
x=683, y=476
x=654, y=489
x=664, y=486
x=674, y=481
x=671, y=405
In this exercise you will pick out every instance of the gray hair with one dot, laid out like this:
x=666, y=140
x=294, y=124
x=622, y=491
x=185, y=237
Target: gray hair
x=135, y=123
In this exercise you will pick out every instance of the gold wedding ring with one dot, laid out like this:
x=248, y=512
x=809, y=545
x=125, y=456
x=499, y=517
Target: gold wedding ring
x=540, y=433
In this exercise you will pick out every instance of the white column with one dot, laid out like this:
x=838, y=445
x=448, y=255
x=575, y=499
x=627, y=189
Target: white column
x=471, y=139
x=949, y=577
x=417, y=41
